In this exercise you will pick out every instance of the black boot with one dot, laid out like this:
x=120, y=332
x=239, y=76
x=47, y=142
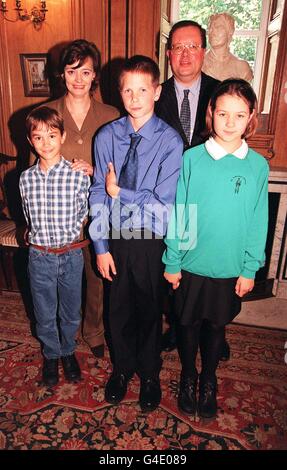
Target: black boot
x=50, y=372
x=186, y=401
x=207, y=405
x=71, y=368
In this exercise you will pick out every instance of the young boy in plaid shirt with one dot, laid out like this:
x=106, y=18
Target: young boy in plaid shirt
x=55, y=204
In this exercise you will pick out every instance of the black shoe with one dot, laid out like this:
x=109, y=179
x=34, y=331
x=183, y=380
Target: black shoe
x=116, y=388
x=150, y=394
x=50, y=372
x=168, y=340
x=225, y=352
x=71, y=368
x=186, y=401
x=207, y=404
x=98, y=351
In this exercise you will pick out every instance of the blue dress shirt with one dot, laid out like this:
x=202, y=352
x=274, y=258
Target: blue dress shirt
x=159, y=161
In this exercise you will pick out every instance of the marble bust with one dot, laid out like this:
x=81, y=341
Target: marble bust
x=219, y=62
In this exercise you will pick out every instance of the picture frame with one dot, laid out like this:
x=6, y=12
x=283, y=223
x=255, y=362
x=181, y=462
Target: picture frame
x=34, y=74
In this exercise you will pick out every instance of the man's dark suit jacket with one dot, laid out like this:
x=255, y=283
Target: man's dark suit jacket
x=167, y=109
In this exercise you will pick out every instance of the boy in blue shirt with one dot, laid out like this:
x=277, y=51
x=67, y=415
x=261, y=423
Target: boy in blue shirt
x=137, y=158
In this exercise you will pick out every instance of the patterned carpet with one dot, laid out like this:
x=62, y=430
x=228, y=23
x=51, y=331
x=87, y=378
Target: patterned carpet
x=252, y=398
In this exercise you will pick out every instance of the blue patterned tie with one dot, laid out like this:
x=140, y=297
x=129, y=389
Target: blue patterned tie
x=127, y=180
x=129, y=171
x=185, y=115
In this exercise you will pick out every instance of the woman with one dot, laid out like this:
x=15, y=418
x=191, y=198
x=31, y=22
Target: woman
x=79, y=69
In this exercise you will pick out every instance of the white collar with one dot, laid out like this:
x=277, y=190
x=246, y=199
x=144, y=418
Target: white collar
x=217, y=152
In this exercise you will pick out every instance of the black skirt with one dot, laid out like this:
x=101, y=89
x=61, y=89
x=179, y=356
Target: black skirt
x=205, y=298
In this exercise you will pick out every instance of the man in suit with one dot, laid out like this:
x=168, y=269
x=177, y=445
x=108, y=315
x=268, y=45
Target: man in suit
x=183, y=104
x=186, y=64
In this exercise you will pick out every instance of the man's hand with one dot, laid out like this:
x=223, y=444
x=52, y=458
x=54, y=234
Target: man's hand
x=111, y=182
x=79, y=164
x=174, y=279
x=243, y=286
x=106, y=265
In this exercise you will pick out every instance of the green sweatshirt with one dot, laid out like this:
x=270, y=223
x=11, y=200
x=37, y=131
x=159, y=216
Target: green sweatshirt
x=218, y=227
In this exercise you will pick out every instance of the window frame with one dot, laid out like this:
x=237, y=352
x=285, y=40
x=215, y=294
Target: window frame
x=260, y=34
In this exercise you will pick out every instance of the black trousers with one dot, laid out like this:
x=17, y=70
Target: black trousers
x=135, y=305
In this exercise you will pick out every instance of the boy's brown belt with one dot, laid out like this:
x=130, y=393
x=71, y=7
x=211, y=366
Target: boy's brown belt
x=62, y=249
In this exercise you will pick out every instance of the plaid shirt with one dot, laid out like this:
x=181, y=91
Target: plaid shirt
x=55, y=203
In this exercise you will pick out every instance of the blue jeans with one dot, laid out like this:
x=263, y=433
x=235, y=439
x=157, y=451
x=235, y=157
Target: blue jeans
x=56, y=285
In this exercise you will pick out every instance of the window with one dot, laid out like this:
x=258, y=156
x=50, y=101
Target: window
x=251, y=17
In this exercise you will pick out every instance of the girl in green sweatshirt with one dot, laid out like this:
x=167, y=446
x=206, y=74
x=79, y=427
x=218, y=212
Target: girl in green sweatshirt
x=216, y=237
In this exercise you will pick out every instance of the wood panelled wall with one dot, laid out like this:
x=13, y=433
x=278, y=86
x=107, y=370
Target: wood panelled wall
x=119, y=28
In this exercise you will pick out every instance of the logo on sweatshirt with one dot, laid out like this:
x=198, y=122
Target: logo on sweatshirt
x=238, y=180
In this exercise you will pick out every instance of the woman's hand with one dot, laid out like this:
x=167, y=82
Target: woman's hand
x=243, y=286
x=174, y=279
x=106, y=265
x=79, y=164
x=111, y=182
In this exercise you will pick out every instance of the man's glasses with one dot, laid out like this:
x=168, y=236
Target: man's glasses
x=179, y=48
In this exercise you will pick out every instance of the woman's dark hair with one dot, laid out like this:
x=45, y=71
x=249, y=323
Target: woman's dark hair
x=184, y=24
x=80, y=50
x=44, y=115
x=141, y=64
x=240, y=88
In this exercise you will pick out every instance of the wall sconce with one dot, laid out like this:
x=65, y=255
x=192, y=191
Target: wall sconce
x=37, y=14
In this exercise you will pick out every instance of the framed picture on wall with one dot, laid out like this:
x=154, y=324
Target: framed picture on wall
x=34, y=74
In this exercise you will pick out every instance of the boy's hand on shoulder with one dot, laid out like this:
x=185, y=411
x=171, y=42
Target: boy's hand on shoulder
x=174, y=279
x=243, y=286
x=111, y=182
x=106, y=266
